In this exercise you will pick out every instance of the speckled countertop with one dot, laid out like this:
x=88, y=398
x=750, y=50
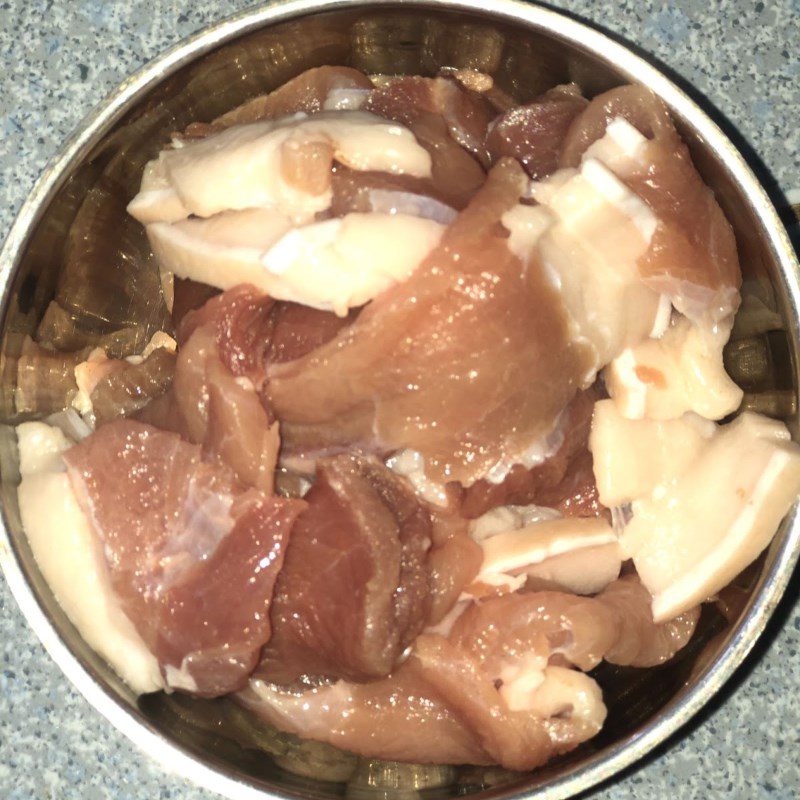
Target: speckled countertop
x=58, y=58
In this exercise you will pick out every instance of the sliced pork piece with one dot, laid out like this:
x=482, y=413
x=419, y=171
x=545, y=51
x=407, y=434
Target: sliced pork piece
x=446, y=119
x=192, y=554
x=590, y=231
x=497, y=689
x=557, y=710
x=680, y=372
x=334, y=264
x=253, y=330
x=466, y=113
x=399, y=718
x=708, y=500
x=239, y=431
x=561, y=480
x=503, y=630
x=501, y=668
x=534, y=134
x=582, y=630
x=215, y=398
x=644, y=643
x=632, y=457
x=281, y=165
x=700, y=527
x=575, y=555
x=343, y=263
x=221, y=251
x=355, y=588
x=583, y=571
x=474, y=378
x=634, y=103
x=312, y=91
x=382, y=192
x=71, y=557
x=240, y=321
x=299, y=329
x=692, y=257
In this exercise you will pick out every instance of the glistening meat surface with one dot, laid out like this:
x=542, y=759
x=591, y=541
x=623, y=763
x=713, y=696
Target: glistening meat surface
x=192, y=554
x=534, y=134
x=692, y=256
x=473, y=376
x=217, y=397
x=499, y=689
x=564, y=480
x=446, y=119
x=355, y=589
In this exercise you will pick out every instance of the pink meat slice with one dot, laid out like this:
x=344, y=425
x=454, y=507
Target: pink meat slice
x=299, y=329
x=355, y=589
x=240, y=321
x=192, y=554
x=238, y=428
x=251, y=329
x=534, y=134
x=466, y=113
x=565, y=480
x=444, y=704
x=492, y=635
x=399, y=718
x=642, y=643
x=468, y=361
x=692, y=256
x=634, y=103
x=517, y=740
x=503, y=628
x=616, y=625
x=365, y=191
x=306, y=93
x=454, y=560
x=448, y=121
x=215, y=399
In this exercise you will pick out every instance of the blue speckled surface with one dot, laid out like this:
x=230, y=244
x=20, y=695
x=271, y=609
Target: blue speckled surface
x=60, y=57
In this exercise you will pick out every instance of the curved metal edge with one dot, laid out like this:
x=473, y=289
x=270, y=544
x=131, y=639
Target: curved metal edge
x=604, y=765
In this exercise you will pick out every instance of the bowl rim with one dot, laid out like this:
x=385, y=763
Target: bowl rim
x=599, y=766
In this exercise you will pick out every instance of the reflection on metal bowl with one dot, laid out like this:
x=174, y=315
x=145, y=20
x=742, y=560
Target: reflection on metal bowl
x=76, y=270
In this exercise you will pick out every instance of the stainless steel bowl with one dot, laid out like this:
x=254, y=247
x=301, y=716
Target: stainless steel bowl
x=73, y=241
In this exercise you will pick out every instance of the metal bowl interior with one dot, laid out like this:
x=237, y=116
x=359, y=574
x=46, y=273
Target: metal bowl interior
x=74, y=243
